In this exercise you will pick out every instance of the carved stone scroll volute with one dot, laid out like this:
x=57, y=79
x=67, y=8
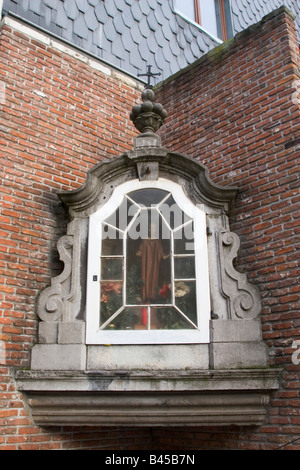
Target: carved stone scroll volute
x=51, y=302
x=244, y=298
x=63, y=300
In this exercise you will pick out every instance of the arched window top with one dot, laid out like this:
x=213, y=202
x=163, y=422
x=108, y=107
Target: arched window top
x=147, y=267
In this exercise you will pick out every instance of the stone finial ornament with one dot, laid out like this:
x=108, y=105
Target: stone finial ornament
x=149, y=116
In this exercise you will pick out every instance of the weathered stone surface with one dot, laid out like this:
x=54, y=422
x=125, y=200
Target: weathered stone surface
x=149, y=116
x=239, y=354
x=157, y=398
x=58, y=357
x=224, y=331
x=71, y=332
x=148, y=357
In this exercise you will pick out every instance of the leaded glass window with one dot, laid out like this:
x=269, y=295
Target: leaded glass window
x=144, y=267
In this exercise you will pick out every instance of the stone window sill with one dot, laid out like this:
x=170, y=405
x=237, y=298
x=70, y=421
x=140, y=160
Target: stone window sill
x=149, y=398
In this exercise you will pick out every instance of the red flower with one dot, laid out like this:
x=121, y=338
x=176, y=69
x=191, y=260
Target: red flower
x=117, y=288
x=165, y=291
x=107, y=287
x=113, y=287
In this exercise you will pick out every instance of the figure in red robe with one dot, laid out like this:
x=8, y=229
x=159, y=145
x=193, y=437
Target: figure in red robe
x=151, y=253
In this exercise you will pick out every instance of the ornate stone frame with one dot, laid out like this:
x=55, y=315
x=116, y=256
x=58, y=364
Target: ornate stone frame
x=226, y=381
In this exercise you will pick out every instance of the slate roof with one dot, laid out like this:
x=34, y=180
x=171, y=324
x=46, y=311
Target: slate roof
x=131, y=34
x=248, y=12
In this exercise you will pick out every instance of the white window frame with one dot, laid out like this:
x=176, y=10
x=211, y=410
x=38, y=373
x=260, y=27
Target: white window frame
x=94, y=335
x=198, y=25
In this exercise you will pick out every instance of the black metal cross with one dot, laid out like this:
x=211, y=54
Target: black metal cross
x=148, y=74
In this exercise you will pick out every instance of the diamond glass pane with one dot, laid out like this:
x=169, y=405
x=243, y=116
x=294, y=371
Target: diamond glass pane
x=111, y=299
x=184, y=267
x=185, y=299
x=168, y=318
x=112, y=269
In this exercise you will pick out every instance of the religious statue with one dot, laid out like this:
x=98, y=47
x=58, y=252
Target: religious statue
x=151, y=253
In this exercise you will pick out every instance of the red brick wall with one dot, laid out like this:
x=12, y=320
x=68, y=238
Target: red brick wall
x=237, y=110
x=58, y=118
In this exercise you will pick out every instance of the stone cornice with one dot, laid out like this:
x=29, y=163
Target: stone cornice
x=104, y=177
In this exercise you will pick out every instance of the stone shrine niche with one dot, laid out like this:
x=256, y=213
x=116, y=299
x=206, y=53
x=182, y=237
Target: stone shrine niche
x=149, y=323
x=149, y=284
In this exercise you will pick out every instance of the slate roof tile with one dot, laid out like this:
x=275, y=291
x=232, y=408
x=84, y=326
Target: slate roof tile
x=34, y=6
x=174, y=67
x=180, y=36
x=49, y=3
x=98, y=39
x=144, y=51
x=174, y=46
x=128, y=18
x=135, y=57
x=61, y=17
x=135, y=33
x=110, y=8
x=253, y=8
x=152, y=43
x=201, y=43
x=101, y=13
x=209, y=42
x=127, y=32
x=109, y=57
x=33, y=17
x=117, y=47
x=119, y=24
x=160, y=18
x=91, y=20
x=159, y=59
x=144, y=6
x=159, y=36
x=173, y=25
x=181, y=61
x=80, y=27
x=166, y=9
x=188, y=35
x=189, y=56
x=247, y=12
x=152, y=21
x=109, y=30
x=120, y=5
x=167, y=53
x=82, y=5
x=167, y=32
x=127, y=40
x=48, y=15
x=144, y=27
x=153, y=4
x=195, y=48
x=71, y=9
x=136, y=11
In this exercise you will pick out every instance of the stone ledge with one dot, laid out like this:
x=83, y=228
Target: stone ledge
x=142, y=398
